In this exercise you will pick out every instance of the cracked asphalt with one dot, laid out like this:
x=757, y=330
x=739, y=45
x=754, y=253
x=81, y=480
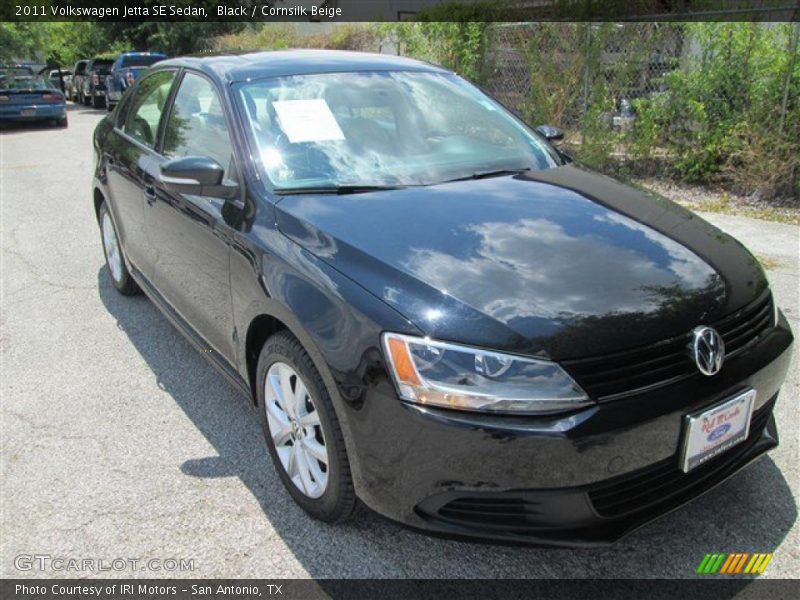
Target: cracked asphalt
x=119, y=440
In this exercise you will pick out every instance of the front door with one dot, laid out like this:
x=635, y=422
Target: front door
x=189, y=233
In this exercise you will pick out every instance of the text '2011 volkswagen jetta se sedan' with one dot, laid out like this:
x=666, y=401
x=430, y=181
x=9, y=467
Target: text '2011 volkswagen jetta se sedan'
x=435, y=311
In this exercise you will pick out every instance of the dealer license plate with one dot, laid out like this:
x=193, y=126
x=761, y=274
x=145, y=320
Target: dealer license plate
x=713, y=431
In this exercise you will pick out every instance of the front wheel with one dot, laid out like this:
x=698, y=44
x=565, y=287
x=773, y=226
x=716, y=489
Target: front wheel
x=115, y=259
x=302, y=430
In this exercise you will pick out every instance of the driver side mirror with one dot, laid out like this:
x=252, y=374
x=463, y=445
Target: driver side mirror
x=198, y=176
x=550, y=133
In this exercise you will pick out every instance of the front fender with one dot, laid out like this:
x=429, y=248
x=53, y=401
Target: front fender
x=338, y=322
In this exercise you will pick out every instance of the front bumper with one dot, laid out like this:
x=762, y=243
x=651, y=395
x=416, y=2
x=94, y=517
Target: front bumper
x=39, y=112
x=587, y=478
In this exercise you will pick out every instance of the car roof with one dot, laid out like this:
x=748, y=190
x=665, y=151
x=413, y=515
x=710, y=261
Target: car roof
x=137, y=53
x=234, y=67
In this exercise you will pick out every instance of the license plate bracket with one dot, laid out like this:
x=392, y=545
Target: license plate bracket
x=714, y=430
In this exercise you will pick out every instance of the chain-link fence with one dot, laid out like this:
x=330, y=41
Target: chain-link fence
x=702, y=100
x=560, y=70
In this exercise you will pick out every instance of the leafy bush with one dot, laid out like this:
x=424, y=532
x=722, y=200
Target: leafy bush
x=280, y=36
x=721, y=112
x=456, y=46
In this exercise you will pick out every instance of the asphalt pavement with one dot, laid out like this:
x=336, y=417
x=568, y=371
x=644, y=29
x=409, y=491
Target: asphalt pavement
x=119, y=440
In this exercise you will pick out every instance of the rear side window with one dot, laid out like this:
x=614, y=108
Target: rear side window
x=197, y=126
x=144, y=109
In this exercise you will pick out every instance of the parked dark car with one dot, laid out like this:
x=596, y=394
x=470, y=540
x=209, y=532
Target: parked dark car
x=75, y=86
x=26, y=99
x=125, y=70
x=433, y=309
x=93, y=82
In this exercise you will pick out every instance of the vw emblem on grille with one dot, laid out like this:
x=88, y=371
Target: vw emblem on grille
x=708, y=350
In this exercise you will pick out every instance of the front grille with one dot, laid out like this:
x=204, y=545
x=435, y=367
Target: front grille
x=632, y=371
x=664, y=480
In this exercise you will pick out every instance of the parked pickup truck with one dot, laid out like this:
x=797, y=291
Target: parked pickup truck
x=125, y=70
x=92, y=85
x=73, y=89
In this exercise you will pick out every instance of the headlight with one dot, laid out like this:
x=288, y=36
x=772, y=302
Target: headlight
x=459, y=377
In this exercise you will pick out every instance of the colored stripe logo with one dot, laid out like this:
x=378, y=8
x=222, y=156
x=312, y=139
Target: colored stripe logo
x=733, y=563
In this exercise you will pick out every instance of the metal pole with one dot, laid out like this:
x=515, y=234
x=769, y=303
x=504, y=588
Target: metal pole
x=586, y=81
x=788, y=83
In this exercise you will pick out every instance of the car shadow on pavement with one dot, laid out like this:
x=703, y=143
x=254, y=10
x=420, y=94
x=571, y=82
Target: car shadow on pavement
x=751, y=512
x=75, y=107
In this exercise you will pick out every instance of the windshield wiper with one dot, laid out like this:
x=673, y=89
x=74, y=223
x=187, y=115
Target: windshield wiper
x=488, y=174
x=336, y=189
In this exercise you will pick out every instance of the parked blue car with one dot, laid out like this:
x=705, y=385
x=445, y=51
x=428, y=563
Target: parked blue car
x=125, y=70
x=26, y=98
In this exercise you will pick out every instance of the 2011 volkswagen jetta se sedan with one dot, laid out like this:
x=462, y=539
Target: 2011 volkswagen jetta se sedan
x=437, y=313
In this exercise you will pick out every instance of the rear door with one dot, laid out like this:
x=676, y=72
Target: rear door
x=132, y=161
x=191, y=233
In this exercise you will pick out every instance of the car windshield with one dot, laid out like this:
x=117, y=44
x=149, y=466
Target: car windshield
x=140, y=61
x=383, y=129
x=25, y=84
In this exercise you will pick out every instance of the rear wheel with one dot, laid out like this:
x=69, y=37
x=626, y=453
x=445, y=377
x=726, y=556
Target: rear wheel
x=62, y=122
x=115, y=259
x=97, y=101
x=302, y=430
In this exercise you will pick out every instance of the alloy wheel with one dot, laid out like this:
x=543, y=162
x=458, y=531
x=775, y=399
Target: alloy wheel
x=296, y=431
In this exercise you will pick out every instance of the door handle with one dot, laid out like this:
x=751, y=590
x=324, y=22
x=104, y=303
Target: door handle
x=150, y=194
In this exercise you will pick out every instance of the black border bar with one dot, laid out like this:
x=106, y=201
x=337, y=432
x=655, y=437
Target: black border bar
x=707, y=588
x=369, y=10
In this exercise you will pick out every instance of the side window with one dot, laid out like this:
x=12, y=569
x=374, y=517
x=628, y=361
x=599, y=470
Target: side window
x=196, y=125
x=144, y=108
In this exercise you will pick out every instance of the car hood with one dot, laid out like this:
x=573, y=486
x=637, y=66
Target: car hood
x=561, y=263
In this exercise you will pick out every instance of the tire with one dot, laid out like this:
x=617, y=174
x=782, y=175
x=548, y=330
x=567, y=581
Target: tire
x=61, y=122
x=335, y=501
x=109, y=106
x=115, y=258
x=97, y=102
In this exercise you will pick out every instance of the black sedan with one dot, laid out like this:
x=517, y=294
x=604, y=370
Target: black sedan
x=435, y=311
